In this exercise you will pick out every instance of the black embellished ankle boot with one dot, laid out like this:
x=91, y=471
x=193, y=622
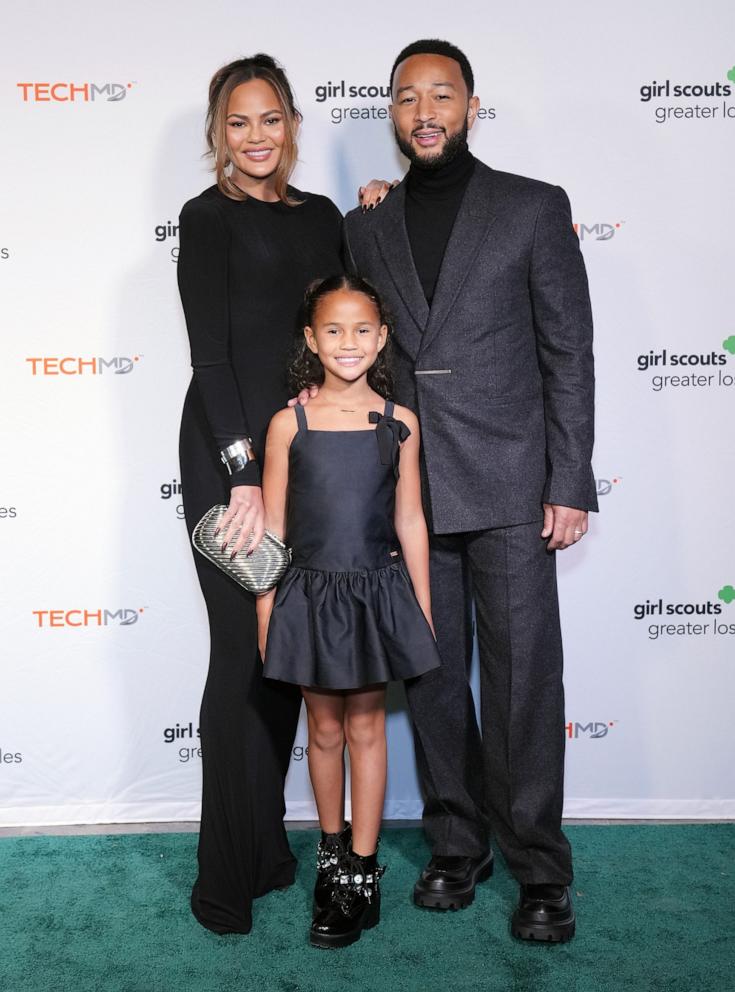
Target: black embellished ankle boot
x=332, y=848
x=354, y=903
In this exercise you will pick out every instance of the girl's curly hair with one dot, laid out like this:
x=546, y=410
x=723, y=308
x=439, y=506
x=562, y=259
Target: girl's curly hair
x=305, y=368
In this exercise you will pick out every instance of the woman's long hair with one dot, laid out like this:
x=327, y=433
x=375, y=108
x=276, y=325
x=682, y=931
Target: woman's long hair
x=224, y=81
x=305, y=369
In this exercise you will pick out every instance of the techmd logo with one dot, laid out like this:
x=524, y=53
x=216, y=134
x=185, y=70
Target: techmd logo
x=592, y=731
x=76, y=365
x=64, y=92
x=597, y=232
x=124, y=617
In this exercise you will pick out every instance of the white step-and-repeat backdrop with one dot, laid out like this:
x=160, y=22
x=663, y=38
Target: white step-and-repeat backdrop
x=630, y=107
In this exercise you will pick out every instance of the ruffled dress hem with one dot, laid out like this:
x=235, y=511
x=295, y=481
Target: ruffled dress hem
x=348, y=630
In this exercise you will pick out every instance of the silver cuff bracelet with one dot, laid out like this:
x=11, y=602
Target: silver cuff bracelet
x=237, y=455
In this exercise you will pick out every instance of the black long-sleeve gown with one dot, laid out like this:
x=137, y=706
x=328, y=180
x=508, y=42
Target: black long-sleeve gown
x=243, y=268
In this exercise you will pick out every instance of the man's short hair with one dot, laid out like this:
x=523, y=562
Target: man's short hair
x=434, y=46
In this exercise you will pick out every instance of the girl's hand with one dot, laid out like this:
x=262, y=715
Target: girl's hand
x=246, y=512
x=304, y=396
x=374, y=193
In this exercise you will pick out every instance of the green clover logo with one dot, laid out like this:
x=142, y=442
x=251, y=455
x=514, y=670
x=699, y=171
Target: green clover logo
x=727, y=594
x=731, y=75
x=729, y=344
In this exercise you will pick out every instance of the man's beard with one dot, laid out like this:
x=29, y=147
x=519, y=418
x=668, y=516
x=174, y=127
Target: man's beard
x=452, y=147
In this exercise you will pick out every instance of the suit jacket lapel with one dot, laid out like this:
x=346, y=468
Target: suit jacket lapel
x=395, y=249
x=476, y=214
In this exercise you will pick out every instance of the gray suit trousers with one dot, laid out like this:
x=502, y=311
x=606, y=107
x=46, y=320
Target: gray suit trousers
x=510, y=781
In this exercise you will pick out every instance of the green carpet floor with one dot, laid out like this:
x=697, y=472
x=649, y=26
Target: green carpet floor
x=655, y=911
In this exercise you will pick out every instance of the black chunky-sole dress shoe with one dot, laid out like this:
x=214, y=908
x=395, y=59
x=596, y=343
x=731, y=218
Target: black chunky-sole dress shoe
x=544, y=913
x=449, y=882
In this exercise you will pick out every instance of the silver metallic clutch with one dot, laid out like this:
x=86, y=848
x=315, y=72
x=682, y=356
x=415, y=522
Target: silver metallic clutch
x=257, y=572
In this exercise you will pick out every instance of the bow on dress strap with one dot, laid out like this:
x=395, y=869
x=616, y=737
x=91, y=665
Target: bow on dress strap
x=390, y=433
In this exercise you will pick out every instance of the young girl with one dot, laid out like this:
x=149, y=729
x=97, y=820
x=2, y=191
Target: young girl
x=353, y=612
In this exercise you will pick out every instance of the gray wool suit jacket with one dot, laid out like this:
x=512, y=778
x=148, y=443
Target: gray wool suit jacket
x=500, y=368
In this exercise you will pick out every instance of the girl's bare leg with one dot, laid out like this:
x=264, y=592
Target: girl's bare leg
x=364, y=727
x=326, y=713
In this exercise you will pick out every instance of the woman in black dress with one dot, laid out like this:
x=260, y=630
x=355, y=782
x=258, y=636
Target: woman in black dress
x=248, y=247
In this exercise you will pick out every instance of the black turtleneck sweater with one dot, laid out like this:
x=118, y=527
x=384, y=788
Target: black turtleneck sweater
x=433, y=197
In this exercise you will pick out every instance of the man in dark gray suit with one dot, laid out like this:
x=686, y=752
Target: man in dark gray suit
x=493, y=350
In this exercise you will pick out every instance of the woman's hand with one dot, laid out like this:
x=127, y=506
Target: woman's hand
x=374, y=193
x=304, y=396
x=246, y=512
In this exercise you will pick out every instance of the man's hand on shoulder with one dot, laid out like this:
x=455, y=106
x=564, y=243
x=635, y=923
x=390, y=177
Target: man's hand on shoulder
x=563, y=525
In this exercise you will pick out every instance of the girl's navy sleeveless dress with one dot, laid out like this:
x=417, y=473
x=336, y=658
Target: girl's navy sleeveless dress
x=345, y=614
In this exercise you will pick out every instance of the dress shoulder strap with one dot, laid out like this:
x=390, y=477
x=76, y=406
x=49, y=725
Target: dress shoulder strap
x=389, y=407
x=301, y=417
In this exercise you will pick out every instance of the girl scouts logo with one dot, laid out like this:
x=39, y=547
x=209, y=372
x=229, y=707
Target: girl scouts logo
x=673, y=101
x=704, y=619
x=689, y=370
